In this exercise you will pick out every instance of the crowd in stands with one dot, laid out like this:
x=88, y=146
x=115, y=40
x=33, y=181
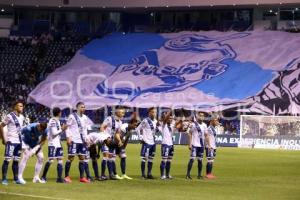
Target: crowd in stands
x=260, y=128
x=26, y=61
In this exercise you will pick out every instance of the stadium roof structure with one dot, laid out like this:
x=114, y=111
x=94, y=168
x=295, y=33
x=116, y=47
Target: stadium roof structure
x=169, y=4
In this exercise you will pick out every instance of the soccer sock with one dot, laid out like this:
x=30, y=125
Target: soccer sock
x=189, y=168
x=209, y=166
x=123, y=165
x=23, y=164
x=67, y=167
x=59, y=169
x=38, y=166
x=81, y=168
x=95, y=168
x=46, y=168
x=4, y=169
x=103, y=166
x=162, y=167
x=199, y=167
x=110, y=167
x=87, y=169
x=113, y=165
x=168, y=168
x=150, y=164
x=143, y=167
x=15, y=169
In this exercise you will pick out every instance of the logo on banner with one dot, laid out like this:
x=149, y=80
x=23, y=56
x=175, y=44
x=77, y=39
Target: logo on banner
x=151, y=72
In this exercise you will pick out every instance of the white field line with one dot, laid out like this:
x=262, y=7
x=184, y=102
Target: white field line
x=29, y=195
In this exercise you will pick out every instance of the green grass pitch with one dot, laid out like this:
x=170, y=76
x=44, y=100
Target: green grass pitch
x=241, y=174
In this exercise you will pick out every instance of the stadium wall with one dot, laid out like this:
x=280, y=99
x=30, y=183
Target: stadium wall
x=182, y=139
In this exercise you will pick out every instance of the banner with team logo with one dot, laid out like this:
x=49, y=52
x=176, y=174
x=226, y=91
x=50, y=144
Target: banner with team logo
x=254, y=71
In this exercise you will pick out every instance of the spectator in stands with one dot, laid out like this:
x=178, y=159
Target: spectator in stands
x=227, y=128
x=49, y=37
x=13, y=39
x=34, y=41
x=19, y=41
x=220, y=129
x=234, y=130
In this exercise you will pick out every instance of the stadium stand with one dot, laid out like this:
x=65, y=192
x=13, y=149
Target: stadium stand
x=24, y=62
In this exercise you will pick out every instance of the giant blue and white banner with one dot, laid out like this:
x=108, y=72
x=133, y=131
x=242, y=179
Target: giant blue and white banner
x=244, y=71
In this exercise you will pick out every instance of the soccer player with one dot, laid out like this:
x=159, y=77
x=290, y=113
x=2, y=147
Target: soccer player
x=196, y=133
x=13, y=145
x=210, y=147
x=55, y=150
x=110, y=126
x=120, y=141
x=33, y=137
x=97, y=138
x=168, y=128
x=78, y=124
x=146, y=132
x=94, y=141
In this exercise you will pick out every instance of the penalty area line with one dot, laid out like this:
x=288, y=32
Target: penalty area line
x=29, y=195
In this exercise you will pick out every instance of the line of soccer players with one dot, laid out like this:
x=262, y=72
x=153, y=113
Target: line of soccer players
x=27, y=140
